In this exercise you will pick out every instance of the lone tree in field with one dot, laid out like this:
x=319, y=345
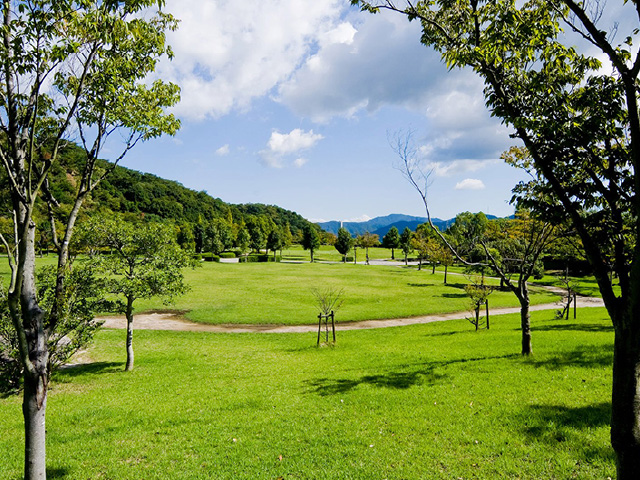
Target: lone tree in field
x=310, y=240
x=344, y=243
x=366, y=241
x=581, y=129
x=391, y=240
x=68, y=69
x=405, y=243
x=142, y=261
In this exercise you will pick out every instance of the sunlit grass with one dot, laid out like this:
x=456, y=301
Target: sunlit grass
x=280, y=293
x=436, y=401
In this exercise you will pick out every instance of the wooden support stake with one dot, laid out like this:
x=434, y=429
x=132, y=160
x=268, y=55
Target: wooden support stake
x=486, y=304
x=319, y=327
x=333, y=327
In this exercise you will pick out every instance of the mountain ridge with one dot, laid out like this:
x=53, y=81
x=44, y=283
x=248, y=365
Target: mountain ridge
x=381, y=225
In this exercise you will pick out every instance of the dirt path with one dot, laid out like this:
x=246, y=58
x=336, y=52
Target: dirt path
x=175, y=321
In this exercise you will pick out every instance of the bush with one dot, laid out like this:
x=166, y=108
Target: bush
x=258, y=257
x=228, y=255
x=210, y=257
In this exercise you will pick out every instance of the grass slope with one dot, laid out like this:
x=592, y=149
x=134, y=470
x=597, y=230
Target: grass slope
x=280, y=293
x=435, y=401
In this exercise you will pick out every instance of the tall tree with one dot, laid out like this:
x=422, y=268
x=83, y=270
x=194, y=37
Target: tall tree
x=581, y=128
x=366, y=241
x=405, y=243
x=391, y=240
x=74, y=67
x=143, y=261
x=310, y=240
x=344, y=243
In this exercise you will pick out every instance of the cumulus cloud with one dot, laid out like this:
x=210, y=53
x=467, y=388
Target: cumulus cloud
x=382, y=62
x=282, y=145
x=470, y=184
x=223, y=150
x=228, y=53
x=446, y=169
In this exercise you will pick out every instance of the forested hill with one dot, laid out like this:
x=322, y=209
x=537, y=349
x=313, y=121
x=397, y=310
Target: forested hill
x=149, y=196
x=130, y=191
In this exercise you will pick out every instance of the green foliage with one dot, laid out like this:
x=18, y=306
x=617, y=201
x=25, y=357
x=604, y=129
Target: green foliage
x=344, y=242
x=84, y=297
x=142, y=260
x=310, y=240
x=405, y=242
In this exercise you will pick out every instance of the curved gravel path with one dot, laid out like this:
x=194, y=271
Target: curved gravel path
x=175, y=321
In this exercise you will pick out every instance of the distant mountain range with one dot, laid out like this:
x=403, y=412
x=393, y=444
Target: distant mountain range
x=381, y=225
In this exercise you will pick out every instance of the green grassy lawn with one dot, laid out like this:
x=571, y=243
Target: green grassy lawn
x=435, y=401
x=280, y=293
x=584, y=285
x=328, y=253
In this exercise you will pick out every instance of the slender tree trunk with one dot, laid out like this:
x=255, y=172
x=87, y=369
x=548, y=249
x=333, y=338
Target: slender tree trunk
x=129, y=314
x=525, y=321
x=28, y=319
x=34, y=407
x=433, y=268
x=445, y=274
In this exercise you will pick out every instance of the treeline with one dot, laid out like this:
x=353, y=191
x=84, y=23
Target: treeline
x=475, y=238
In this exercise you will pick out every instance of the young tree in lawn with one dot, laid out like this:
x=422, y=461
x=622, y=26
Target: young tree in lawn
x=419, y=243
x=391, y=240
x=68, y=69
x=366, y=241
x=405, y=243
x=310, y=240
x=580, y=124
x=218, y=236
x=344, y=243
x=275, y=240
x=243, y=239
x=287, y=238
x=143, y=261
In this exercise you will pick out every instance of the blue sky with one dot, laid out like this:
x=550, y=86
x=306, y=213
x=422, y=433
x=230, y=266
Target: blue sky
x=292, y=103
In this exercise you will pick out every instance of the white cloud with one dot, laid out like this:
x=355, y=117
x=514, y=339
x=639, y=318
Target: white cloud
x=470, y=184
x=282, y=145
x=228, y=53
x=361, y=218
x=223, y=150
x=445, y=169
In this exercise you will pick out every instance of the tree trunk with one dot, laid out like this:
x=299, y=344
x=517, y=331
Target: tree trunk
x=525, y=322
x=34, y=407
x=392, y=254
x=129, y=314
x=445, y=274
x=433, y=268
x=625, y=403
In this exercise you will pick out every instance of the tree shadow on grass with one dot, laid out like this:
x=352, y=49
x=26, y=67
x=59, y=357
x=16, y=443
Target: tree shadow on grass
x=554, y=424
x=585, y=357
x=69, y=372
x=401, y=380
x=58, y=472
x=420, y=284
x=578, y=327
x=395, y=380
x=454, y=295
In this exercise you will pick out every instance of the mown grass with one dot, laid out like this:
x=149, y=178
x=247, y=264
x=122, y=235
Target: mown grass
x=280, y=293
x=436, y=401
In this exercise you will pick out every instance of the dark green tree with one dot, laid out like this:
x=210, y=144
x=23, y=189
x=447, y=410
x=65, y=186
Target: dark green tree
x=405, y=243
x=344, y=243
x=391, y=240
x=310, y=240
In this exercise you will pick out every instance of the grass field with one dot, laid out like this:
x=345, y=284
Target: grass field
x=436, y=401
x=280, y=293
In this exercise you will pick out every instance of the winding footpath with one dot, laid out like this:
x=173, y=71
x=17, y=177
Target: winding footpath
x=175, y=321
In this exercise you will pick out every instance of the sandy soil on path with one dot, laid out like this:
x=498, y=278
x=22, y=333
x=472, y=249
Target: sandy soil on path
x=175, y=321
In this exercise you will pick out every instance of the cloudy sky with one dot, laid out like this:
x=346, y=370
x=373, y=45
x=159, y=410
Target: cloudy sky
x=295, y=103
